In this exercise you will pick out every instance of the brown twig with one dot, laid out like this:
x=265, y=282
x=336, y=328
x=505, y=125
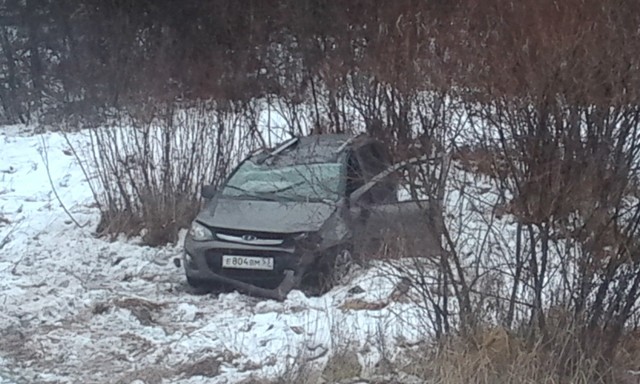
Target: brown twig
x=45, y=158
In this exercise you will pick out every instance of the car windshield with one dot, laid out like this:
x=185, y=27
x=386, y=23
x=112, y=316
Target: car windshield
x=301, y=182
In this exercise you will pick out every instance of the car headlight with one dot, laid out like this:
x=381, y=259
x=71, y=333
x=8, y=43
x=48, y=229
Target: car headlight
x=301, y=236
x=199, y=232
x=307, y=239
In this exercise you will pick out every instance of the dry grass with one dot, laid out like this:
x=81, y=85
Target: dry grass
x=495, y=355
x=205, y=368
x=301, y=369
x=492, y=355
x=342, y=366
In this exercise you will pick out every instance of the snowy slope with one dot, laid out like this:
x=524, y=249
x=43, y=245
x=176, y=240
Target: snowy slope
x=76, y=308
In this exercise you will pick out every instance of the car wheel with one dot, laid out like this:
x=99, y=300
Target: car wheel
x=333, y=268
x=341, y=265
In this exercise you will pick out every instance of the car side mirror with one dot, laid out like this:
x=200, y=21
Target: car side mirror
x=208, y=191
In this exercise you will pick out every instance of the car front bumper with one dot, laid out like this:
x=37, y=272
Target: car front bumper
x=203, y=262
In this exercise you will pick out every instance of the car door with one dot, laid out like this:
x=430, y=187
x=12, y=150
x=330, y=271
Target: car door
x=407, y=219
x=364, y=162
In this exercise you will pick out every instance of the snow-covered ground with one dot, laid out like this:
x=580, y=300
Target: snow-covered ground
x=75, y=308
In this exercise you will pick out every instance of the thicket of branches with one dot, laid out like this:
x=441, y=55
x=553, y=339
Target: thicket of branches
x=540, y=97
x=88, y=55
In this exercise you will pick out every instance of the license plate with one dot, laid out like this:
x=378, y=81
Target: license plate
x=247, y=262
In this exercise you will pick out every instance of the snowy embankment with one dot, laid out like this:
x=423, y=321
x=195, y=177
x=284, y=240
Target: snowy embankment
x=76, y=308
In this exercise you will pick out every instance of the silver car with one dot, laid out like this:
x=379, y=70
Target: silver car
x=289, y=214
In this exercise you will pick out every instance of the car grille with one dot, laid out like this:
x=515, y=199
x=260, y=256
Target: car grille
x=250, y=238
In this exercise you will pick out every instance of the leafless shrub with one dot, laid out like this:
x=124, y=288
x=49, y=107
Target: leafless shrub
x=151, y=164
x=497, y=265
x=539, y=209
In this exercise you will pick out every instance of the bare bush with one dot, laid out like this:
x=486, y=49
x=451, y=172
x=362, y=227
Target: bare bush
x=151, y=164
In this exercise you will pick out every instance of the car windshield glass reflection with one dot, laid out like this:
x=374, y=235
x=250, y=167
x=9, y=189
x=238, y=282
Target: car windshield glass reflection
x=302, y=182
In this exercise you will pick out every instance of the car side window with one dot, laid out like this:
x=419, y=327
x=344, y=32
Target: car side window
x=374, y=160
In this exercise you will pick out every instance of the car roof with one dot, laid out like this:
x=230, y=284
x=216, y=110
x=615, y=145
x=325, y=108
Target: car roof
x=312, y=149
x=327, y=141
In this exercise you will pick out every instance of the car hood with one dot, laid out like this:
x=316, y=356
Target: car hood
x=266, y=216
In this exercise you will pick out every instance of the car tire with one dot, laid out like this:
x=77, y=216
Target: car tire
x=343, y=263
x=339, y=264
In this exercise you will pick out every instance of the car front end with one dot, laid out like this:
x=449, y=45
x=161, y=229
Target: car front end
x=230, y=256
